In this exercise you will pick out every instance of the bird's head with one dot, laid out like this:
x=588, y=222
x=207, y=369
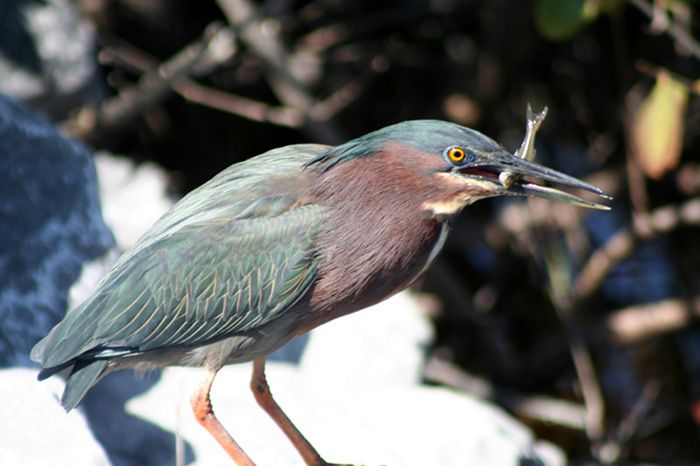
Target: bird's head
x=460, y=165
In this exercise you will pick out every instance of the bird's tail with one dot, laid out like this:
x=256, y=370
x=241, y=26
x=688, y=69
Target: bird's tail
x=83, y=376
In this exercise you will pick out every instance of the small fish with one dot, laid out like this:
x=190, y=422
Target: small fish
x=527, y=148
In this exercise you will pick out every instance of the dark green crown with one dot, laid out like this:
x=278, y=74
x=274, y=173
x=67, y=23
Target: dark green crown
x=431, y=136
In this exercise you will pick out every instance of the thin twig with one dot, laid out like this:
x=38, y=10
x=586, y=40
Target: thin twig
x=653, y=71
x=676, y=31
x=590, y=387
x=198, y=58
x=537, y=408
x=622, y=243
x=561, y=294
x=137, y=60
x=616, y=449
x=630, y=424
x=242, y=106
x=347, y=30
x=267, y=45
x=340, y=99
x=641, y=322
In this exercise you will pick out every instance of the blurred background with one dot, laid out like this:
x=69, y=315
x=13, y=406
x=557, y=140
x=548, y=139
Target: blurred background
x=582, y=324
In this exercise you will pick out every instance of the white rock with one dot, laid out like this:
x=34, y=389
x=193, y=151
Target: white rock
x=36, y=430
x=356, y=422
x=384, y=344
x=133, y=196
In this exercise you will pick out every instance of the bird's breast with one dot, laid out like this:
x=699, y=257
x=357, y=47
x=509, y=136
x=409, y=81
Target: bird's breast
x=371, y=264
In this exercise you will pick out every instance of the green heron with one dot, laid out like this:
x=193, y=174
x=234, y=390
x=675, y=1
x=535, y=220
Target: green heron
x=279, y=244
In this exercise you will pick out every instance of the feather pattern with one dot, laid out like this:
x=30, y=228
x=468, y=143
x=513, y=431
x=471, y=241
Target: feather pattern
x=214, y=266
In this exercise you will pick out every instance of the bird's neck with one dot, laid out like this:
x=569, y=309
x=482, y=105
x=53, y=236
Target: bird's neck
x=376, y=240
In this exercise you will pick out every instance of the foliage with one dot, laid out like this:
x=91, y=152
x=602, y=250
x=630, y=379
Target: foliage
x=657, y=132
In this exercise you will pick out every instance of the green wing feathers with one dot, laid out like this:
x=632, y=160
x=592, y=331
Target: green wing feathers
x=228, y=258
x=231, y=281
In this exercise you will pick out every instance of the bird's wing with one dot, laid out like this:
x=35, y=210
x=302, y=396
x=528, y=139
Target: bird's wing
x=230, y=257
x=236, y=277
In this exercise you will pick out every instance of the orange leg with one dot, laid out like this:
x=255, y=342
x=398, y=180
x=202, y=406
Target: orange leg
x=264, y=398
x=203, y=412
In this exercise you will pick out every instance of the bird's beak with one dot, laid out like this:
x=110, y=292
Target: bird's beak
x=508, y=175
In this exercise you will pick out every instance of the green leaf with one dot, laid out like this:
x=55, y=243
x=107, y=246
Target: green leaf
x=560, y=19
x=657, y=129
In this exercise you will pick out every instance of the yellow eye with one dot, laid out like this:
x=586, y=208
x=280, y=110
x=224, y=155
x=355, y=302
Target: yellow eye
x=456, y=154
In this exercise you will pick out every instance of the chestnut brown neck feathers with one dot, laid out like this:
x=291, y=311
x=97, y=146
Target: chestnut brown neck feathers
x=379, y=235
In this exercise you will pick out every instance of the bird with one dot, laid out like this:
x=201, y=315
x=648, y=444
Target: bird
x=277, y=245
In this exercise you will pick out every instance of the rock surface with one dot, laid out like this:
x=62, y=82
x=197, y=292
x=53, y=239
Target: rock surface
x=36, y=431
x=50, y=226
x=46, y=55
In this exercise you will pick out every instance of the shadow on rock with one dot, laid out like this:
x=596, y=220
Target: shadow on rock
x=128, y=440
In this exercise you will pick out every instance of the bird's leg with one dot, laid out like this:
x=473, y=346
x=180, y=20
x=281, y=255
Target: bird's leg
x=203, y=412
x=264, y=398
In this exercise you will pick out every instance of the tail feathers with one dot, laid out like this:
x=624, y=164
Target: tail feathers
x=83, y=376
x=37, y=354
x=49, y=371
